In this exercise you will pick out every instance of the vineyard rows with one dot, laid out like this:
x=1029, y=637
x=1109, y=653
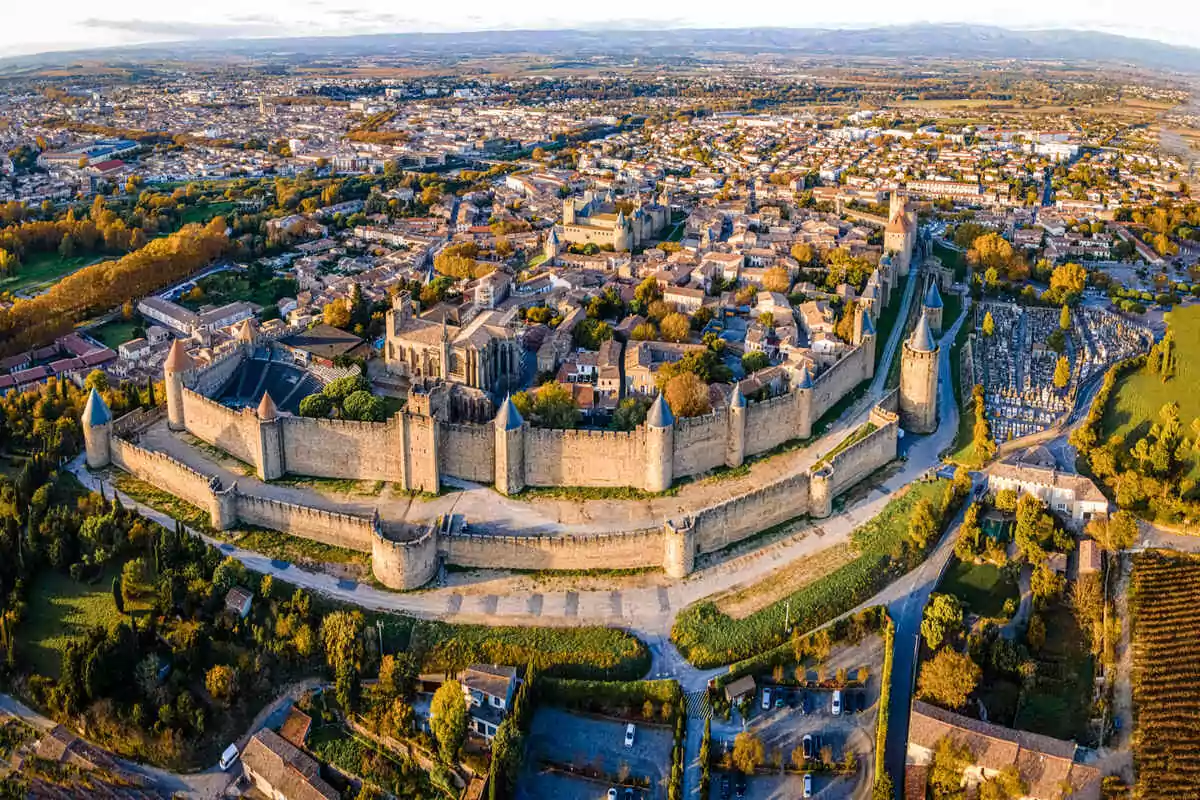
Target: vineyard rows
x=1165, y=597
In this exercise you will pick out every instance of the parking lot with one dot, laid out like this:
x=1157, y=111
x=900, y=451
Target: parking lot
x=793, y=713
x=565, y=738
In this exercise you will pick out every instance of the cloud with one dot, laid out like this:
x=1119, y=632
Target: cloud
x=162, y=29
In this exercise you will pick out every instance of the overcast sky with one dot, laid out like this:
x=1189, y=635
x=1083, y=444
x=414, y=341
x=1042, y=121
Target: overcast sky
x=67, y=24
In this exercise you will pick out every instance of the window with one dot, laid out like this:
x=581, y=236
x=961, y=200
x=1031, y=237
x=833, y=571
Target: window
x=496, y=701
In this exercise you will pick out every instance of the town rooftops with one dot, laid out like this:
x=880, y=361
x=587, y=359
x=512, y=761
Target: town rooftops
x=1044, y=763
x=491, y=680
x=1082, y=487
x=290, y=772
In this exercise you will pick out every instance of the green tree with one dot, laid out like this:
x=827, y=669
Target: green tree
x=943, y=618
x=748, y=752
x=675, y=327
x=551, y=405
x=1062, y=372
x=946, y=767
x=221, y=681
x=922, y=524
x=341, y=639
x=630, y=413
x=754, y=361
x=97, y=379
x=1116, y=533
x=1007, y=785
x=316, y=405
x=448, y=720
x=364, y=407
x=687, y=395
x=948, y=679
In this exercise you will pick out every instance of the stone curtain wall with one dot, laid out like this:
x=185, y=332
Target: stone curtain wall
x=700, y=443
x=340, y=530
x=867, y=455
x=733, y=520
x=584, y=458
x=235, y=432
x=468, y=452
x=164, y=472
x=628, y=550
x=839, y=380
x=331, y=448
x=210, y=381
x=772, y=422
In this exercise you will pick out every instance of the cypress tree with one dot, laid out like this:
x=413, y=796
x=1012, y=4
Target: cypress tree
x=118, y=598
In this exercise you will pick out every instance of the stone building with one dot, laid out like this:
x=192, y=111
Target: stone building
x=900, y=234
x=601, y=222
x=481, y=353
x=919, y=380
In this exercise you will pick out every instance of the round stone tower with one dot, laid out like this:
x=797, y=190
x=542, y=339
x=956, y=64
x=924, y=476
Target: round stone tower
x=97, y=431
x=510, y=448
x=660, y=446
x=735, y=444
x=932, y=306
x=679, y=547
x=175, y=369
x=919, y=380
x=803, y=391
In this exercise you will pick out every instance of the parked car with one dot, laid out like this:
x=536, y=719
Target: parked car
x=766, y=700
x=836, y=705
x=725, y=787
x=228, y=757
x=808, y=784
x=629, y=730
x=807, y=744
x=779, y=699
x=739, y=786
x=612, y=793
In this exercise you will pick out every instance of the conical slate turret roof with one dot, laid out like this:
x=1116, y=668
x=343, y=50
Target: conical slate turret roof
x=508, y=418
x=867, y=325
x=660, y=415
x=96, y=412
x=805, y=379
x=266, y=408
x=737, y=399
x=933, y=298
x=922, y=338
x=178, y=360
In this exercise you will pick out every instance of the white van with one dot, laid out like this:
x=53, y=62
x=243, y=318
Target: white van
x=837, y=702
x=629, y=729
x=228, y=757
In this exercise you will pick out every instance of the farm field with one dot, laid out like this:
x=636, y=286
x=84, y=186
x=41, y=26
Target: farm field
x=982, y=587
x=1165, y=608
x=1138, y=396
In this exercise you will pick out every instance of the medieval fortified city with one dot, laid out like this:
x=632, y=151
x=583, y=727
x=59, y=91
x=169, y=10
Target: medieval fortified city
x=472, y=405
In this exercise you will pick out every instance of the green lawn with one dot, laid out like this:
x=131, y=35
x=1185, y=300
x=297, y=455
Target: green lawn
x=40, y=270
x=204, y=213
x=982, y=587
x=62, y=609
x=116, y=332
x=1138, y=396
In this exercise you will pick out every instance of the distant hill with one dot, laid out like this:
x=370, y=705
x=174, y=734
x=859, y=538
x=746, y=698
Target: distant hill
x=936, y=41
